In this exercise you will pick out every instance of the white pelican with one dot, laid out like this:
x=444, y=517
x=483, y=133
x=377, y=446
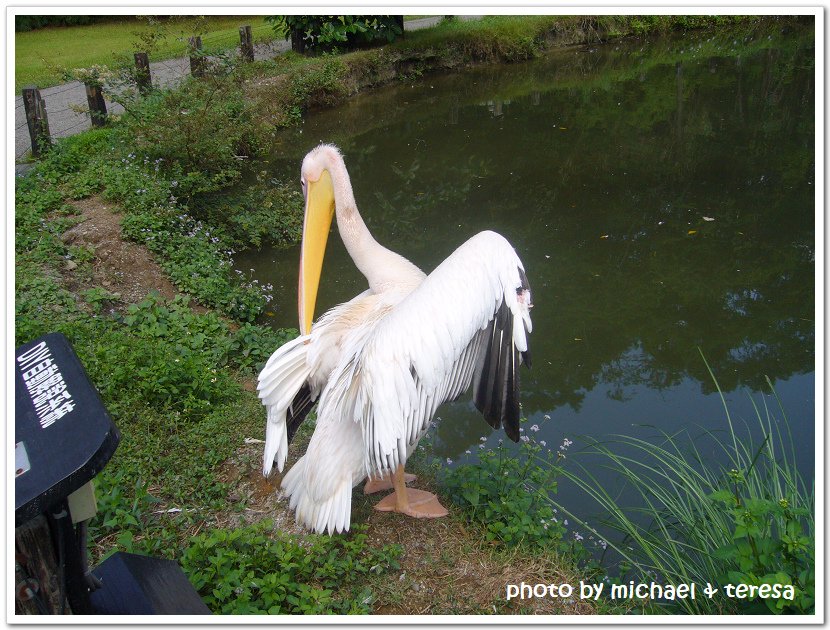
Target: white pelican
x=383, y=362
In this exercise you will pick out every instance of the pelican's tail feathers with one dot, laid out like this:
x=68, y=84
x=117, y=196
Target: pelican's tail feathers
x=330, y=513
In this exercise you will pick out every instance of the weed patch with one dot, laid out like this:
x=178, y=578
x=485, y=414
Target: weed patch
x=251, y=570
x=507, y=493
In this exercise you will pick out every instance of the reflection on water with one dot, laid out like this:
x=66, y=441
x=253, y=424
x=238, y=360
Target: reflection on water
x=661, y=196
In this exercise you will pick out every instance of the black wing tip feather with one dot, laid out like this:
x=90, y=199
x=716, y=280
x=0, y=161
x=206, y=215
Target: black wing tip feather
x=496, y=395
x=300, y=407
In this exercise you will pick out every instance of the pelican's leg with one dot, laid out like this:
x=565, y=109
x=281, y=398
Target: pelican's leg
x=384, y=483
x=417, y=503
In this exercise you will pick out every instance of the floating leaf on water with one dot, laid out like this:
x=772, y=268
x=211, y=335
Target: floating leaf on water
x=708, y=218
x=604, y=236
x=690, y=232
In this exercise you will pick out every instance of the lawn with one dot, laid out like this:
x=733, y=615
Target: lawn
x=41, y=54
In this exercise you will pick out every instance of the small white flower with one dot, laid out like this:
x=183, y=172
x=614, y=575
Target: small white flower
x=449, y=461
x=534, y=428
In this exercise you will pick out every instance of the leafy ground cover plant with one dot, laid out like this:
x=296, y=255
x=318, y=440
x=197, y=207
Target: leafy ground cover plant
x=252, y=570
x=507, y=492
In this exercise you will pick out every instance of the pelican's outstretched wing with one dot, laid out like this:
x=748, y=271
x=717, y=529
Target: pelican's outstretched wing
x=467, y=323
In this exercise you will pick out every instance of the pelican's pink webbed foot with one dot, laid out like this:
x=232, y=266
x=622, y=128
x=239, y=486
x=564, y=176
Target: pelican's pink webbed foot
x=415, y=503
x=384, y=483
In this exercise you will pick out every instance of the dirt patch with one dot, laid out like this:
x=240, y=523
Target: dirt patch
x=446, y=568
x=258, y=496
x=121, y=267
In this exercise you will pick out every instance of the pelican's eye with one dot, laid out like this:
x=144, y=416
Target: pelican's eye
x=302, y=183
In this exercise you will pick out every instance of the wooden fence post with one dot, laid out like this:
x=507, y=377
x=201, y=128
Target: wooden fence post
x=247, y=43
x=142, y=72
x=197, y=61
x=36, y=119
x=97, y=106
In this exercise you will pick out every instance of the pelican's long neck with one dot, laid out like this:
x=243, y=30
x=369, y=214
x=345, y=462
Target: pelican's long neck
x=383, y=268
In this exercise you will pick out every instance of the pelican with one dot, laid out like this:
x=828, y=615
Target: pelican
x=379, y=365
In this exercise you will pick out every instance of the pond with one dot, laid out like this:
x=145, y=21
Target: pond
x=661, y=196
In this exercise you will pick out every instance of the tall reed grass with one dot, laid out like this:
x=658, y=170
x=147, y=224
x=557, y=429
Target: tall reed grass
x=740, y=515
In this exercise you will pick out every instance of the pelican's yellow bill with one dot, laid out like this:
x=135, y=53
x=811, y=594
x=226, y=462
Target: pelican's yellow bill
x=319, y=210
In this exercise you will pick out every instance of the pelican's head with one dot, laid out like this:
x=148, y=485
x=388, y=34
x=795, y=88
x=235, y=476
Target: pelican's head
x=318, y=190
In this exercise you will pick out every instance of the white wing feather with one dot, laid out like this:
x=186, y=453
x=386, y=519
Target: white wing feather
x=423, y=352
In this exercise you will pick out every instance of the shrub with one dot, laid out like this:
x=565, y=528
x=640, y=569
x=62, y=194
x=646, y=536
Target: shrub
x=203, y=131
x=329, y=31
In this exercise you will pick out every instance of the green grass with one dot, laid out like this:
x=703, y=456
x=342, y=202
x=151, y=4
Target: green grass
x=41, y=54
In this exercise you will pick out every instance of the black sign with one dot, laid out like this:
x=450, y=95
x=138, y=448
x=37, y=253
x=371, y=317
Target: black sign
x=64, y=435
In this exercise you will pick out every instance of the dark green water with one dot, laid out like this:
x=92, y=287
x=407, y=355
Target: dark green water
x=661, y=195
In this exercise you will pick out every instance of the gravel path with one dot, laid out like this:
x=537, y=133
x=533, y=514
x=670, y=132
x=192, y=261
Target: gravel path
x=64, y=101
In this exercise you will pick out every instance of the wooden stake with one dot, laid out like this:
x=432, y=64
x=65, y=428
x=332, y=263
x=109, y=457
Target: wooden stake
x=36, y=120
x=197, y=61
x=97, y=106
x=246, y=43
x=142, y=74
